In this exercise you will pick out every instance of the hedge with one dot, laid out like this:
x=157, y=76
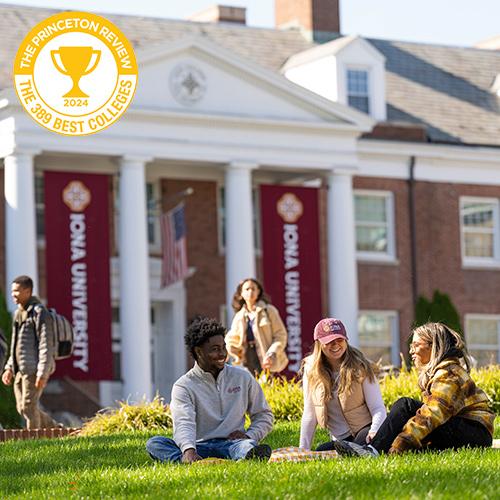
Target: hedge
x=284, y=397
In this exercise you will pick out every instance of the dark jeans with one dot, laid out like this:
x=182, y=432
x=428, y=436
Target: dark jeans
x=457, y=432
x=359, y=438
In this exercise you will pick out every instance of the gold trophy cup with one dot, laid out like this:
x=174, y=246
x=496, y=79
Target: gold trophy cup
x=75, y=62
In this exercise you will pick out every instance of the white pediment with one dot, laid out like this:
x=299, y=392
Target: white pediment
x=197, y=76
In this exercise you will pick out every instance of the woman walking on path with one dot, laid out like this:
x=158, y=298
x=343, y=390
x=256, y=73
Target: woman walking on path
x=341, y=392
x=258, y=337
x=454, y=412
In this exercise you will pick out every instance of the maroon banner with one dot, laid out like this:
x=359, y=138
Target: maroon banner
x=291, y=263
x=77, y=264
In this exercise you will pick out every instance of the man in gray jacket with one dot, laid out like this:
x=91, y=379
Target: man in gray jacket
x=31, y=360
x=209, y=404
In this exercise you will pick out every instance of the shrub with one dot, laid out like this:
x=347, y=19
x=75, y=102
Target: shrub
x=9, y=417
x=286, y=400
x=488, y=379
x=395, y=386
x=148, y=416
x=284, y=397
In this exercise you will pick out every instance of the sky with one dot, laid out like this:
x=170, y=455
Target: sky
x=444, y=22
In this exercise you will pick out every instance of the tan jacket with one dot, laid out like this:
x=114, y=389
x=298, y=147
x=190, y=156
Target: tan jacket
x=353, y=405
x=270, y=336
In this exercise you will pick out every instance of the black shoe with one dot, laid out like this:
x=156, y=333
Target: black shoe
x=350, y=449
x=260, y=452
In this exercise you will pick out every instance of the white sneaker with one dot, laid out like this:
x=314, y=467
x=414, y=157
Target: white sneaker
x=350, y=449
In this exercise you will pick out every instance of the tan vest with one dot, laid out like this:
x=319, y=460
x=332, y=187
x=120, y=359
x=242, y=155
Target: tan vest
x=353, y=405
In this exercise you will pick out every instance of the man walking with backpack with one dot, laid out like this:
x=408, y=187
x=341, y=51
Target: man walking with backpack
x=32, y=351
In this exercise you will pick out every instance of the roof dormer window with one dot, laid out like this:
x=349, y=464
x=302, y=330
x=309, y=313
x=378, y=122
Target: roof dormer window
x=358, y=93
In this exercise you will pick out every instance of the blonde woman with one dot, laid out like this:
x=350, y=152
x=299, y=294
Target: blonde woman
x=258, y=337
x=341, y=392
x=453, y=413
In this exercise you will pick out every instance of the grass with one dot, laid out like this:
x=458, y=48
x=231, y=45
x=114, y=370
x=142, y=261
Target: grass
x=118, y=466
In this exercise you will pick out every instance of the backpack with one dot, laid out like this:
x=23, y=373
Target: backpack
x=63, y=335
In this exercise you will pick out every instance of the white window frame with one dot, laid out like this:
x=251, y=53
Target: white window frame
x=390, y=254
x=481, y=261
x=470, y=345
x=393, y=318
x=369, y=95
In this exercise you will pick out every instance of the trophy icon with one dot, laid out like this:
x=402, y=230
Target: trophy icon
x=75, y=62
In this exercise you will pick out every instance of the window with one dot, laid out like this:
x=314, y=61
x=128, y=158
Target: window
x=153, y=212
x=40, y=205
x=379, y=337
x=374, y=225
x=358, y=95
x=255, y=219
x=482, y=334
x=480, y=231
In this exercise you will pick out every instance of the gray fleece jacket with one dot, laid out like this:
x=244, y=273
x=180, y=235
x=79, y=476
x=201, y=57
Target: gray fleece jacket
x=204, y=408
x=32, y=346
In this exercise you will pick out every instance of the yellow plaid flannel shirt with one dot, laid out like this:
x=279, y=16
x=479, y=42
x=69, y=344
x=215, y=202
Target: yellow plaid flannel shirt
x=450, y=392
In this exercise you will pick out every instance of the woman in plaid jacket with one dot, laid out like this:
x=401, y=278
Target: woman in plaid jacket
x=453, y=413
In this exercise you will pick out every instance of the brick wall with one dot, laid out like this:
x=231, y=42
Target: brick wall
x=439, y=252
x=389, y=286
x=206, y=288
x=439, y=263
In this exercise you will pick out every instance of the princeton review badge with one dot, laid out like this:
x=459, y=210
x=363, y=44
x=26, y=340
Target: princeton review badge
x=75, y=73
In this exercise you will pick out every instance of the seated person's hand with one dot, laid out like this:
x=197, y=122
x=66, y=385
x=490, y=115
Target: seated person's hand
x=237, y=435
x=268, y=361
x=370, y=436
x=190, y=456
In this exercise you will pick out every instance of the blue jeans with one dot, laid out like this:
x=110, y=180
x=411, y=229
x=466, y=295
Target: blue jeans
x=165, y=450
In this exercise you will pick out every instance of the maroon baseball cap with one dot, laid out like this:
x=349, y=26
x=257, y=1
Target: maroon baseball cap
x=329, y=329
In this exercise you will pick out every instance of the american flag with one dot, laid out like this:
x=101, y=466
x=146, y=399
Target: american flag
x=173, y=236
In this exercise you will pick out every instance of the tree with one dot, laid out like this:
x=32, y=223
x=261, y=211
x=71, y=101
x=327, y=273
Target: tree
x=8, y=413
x=439, y=309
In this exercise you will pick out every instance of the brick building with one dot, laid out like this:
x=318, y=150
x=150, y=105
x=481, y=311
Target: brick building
x=409, y=132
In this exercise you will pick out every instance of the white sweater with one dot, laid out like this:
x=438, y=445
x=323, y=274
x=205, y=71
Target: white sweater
x=337, y=425
x=204, y=408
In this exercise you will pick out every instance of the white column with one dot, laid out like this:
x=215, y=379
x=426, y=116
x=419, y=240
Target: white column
x=135, y=324
x=20, y=218
x=342, y=265
x=240, y=245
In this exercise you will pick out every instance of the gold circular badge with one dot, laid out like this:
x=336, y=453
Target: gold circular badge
x=75, y=73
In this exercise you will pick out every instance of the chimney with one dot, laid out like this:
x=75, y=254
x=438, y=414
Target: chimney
x=319, y=20
x=220, y=14
x=491, y=44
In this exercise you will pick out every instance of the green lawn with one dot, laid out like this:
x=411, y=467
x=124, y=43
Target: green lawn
x=118, y=466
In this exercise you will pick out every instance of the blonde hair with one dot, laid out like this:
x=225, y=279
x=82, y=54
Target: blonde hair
x=354, y=368
x=445, y=343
